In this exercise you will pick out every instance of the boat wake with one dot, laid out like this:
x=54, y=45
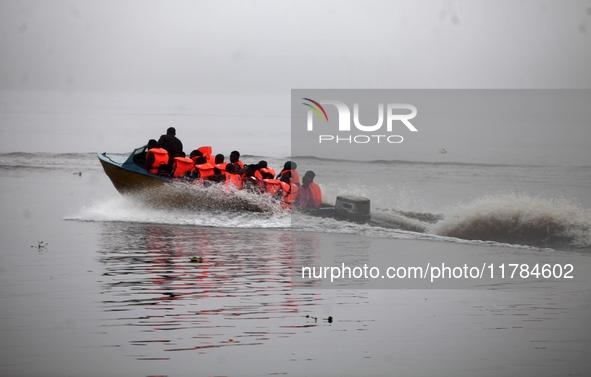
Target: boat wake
x=505, y=219
x=195, y=206
x=519, y=219
x=195, y=197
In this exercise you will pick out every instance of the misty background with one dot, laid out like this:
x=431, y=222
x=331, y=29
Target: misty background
x=73, y=74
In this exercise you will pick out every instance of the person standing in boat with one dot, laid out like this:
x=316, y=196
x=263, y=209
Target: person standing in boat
x=171, y=143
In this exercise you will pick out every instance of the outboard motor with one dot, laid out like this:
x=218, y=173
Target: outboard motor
x=352, y=208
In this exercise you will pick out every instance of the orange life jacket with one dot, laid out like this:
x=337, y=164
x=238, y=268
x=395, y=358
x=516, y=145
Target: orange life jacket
x=240, y=163
x=316, y=192
x=295, y=177
x=205, y=170
x=160, y=159
x=273, y=185
x=221, y=166
x=268, y=170
x=207, y=153
x=252, y=183
x=290, y=193
x=182, y=165
x=259, y=173
x=233, y=181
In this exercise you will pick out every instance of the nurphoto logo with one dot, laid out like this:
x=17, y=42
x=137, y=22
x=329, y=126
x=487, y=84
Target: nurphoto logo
x=392, y=114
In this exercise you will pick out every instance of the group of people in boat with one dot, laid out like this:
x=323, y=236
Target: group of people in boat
x=165, y=157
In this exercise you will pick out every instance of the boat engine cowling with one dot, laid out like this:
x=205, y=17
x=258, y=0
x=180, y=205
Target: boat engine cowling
x=352, y=208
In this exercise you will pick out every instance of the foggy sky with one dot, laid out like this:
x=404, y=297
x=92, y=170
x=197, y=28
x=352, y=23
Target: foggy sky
x=273, y=46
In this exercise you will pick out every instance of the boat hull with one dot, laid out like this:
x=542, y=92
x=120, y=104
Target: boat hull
x=127, y=177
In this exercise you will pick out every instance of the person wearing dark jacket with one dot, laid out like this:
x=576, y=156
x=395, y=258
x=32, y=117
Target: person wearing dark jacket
x=171, y=143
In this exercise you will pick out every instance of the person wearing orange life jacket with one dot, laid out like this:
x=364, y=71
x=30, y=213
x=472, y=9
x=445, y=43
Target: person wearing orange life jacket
x=315, y=188
x=220, y=164
x=219, y=168
x=140, y=158
x=207, y=153
x=201, y=152
x=272, y=185
x=250, y=182
x=288, y=192
x=183, y=166
x=235, y=159
x=216, y=177
x=233, y=180
x=268, y=170
x=203, y=169
x=268, y=176
x=195, y=153
x=305, y=199
x=290, y=167
x=156, y=160
x=260, y=166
